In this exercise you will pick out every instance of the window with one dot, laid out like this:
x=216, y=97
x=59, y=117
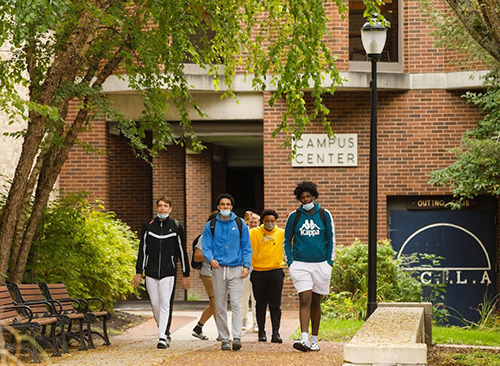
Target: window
x=391, y=56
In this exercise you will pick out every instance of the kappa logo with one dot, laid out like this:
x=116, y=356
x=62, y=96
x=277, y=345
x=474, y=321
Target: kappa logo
x=309, y=228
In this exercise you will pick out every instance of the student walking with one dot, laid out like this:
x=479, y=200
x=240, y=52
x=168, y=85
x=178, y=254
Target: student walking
x=206, y=279
x=309, y=251
x=267, y=273
x=162, y=245
x=226, y=246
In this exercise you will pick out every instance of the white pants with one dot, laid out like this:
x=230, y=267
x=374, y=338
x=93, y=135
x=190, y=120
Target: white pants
x=161, y=294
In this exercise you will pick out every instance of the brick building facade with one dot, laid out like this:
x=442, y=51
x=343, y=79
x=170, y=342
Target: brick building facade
x=421, y=115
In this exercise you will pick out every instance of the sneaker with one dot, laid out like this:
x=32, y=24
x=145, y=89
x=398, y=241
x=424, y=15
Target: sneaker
x=200, y=335
x=236, y=344
x=314, y=347
x=276, y=338
x=262, y=337
x=255, y=328
x=301, y=346
x=162, y=344
x=225, y=346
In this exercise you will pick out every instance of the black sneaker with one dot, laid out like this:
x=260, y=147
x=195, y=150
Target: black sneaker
x=301, y=346
x=236, y=344
x=198, y=333
x=162, y=344
x=262, y=337
x=276, y=338
x=225, y=346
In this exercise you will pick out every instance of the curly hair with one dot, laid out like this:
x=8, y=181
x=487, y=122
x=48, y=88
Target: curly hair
x=224, y=195
x=267, y=213
x=306, y=186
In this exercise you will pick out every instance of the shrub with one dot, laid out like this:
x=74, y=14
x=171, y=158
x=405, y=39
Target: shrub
x=88, y=249
x=349, y=284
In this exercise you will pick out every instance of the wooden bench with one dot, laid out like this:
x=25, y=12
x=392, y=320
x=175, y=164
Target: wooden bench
x=47, y=313
x=92, y=307
x=16, y=322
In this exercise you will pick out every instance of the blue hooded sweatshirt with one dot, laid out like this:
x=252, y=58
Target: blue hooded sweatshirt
x=227, y=246
x=312, y=240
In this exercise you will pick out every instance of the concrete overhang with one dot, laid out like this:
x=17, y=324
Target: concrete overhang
x=201, y=82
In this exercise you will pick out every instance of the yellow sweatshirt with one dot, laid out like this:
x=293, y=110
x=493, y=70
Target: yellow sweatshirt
x=267, y=247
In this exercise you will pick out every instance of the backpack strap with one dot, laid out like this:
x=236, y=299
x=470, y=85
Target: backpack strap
x=296, y=219
x=212, y=225
x=239, y=223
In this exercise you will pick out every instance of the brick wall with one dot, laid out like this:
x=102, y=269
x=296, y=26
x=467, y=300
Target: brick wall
x=198, y=207
x=415, y=131
x=88, y=171
x=169, y=180
x=130, y=183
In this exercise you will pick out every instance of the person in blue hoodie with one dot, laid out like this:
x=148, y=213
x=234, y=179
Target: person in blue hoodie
x=309, y=252
x=226, y=246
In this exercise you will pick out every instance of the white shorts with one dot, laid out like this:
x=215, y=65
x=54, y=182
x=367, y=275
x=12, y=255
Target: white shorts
x=311, y=276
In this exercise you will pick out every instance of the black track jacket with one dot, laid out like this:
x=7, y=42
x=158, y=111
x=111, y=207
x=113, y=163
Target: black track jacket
x=162, y=243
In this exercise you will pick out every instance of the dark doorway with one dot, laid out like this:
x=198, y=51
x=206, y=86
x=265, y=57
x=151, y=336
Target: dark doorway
x=246, y=185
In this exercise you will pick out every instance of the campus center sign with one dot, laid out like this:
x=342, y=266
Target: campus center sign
x=320, y=150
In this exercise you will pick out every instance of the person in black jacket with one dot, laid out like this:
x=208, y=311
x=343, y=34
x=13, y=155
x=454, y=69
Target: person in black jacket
x=162, y=245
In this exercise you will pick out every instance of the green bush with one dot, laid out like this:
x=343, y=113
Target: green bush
x=88, y=249
x=349, y=284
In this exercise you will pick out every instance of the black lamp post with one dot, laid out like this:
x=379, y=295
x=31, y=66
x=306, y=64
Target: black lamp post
x=373, y=35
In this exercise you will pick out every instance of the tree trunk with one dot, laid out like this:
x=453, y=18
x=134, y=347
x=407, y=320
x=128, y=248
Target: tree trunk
x=23, y=210
x=50, y=171
x=17, y=191
x=65, y=67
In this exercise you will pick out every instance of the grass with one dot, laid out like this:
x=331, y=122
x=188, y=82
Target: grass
x=338, y=330
x=335, y=330
x=468, y=357
x=465, y=336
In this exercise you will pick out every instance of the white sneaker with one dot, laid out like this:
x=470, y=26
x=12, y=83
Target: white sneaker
x=255, y=327
x=200, y=335
x=314, y=347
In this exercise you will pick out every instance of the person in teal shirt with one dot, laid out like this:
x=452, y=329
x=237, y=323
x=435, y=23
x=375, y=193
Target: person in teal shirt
x=309, y=247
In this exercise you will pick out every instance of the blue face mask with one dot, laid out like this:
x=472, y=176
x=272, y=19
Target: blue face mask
x=162, y=216
x=225, y=213
x=308, y=206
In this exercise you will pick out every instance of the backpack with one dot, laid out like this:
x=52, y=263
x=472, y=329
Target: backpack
x=195, y=264
x=239, y=223
x=198, y=265
x=298, y=213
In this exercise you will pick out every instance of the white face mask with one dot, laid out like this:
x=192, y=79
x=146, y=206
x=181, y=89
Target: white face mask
x=308, y=206
x=225, y=213
x=163, y=216
x=268, y=226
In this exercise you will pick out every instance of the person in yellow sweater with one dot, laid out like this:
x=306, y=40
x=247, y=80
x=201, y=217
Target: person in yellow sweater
x=267, y=274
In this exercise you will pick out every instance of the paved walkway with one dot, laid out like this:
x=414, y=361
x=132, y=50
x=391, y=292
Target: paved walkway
x=137, y=346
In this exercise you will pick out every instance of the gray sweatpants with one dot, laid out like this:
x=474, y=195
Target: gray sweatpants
x=227, y=280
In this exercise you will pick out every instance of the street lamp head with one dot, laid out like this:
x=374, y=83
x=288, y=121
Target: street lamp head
x=373, y=36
